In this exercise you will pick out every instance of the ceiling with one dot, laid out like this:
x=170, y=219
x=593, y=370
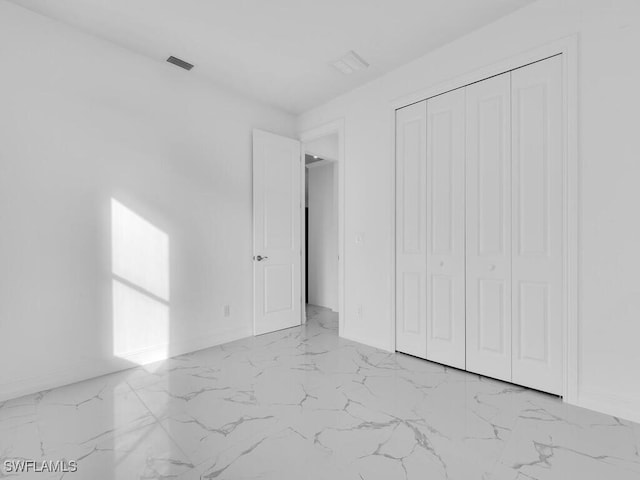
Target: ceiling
x=279, y=51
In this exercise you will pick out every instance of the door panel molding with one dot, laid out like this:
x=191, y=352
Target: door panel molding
x=411, y=230
x=446, y=227
x=488, y=227
x=538, y=234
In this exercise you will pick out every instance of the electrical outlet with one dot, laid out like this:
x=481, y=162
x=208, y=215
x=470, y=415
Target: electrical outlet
x=360, y=312
x=227, y=310
x=359, y=240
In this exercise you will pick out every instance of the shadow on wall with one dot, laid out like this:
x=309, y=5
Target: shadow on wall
x=140, y=287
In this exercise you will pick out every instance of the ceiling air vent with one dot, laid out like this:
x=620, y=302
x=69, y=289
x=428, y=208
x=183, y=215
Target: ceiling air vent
x=180, y=63
x=349, y=63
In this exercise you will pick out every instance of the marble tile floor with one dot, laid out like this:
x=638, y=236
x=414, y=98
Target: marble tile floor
x=305, y=404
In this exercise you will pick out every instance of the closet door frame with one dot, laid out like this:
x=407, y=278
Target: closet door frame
x=568, y=49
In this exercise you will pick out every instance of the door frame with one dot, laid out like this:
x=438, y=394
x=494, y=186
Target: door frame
x=305, y=136
x=568, y=48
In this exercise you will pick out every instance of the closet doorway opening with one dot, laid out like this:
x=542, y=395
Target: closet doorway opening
x=321, y=224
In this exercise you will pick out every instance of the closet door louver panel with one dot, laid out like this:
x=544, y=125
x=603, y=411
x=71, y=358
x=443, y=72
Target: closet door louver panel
x=537, y=225
x=445, y=228
x=488, y=227
x=411, y=231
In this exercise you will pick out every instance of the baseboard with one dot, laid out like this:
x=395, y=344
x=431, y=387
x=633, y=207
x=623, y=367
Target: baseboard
x=208, y=341
x=621, y=407
x=369, y=342
x=174, y=349
x=323, y=306
x=56, y=378
x=78, y=372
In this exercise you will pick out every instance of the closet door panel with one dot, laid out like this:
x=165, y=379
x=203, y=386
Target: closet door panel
x=411, y=231
x=488, y=227
x=445, y=228
x=537, y=225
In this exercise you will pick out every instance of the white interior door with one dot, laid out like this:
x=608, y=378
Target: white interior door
x=446, y=228
x=489, y=227
x=276, y=232
x=537, y=273
x=411, y=231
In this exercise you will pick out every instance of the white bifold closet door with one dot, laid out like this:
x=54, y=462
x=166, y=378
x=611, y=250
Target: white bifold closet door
x=488, y=232
x=411, y=231
x=445, y=228
x=480, y=227
x=537, y=185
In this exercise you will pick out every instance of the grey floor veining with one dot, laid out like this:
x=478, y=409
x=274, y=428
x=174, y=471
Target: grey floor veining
x=305, y=404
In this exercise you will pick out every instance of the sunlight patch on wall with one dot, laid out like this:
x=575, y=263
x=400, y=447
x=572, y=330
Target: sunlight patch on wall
x=140, y=270
x=140, y=251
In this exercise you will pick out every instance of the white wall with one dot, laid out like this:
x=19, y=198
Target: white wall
x=325, y=147
x=609, y=102
x=323, y=236
x=81, y=122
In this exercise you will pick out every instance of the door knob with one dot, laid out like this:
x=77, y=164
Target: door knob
x=260, y=258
